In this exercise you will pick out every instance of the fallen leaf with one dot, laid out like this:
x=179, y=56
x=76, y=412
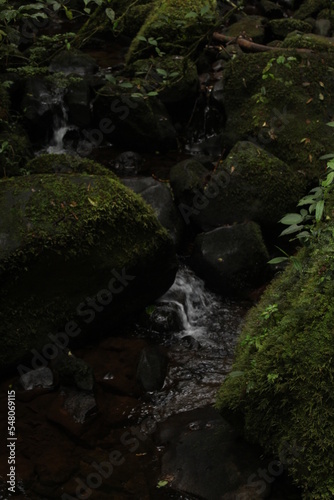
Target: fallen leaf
x=308, y=122
x=310, y=100
x=305, y=140
x=92, y=202
x=321, y=97
x=306, y=84
x=73, y=204
x=310, y=157
x=232, y=170
x=322, y=84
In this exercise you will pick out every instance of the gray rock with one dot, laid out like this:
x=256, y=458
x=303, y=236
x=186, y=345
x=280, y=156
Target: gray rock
x=41, y=377
x=231, y=259
x=152, y=368
x=159, y=197
x=73, y=371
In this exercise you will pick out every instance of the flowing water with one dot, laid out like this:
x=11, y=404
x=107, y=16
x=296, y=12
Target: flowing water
x=201, y=353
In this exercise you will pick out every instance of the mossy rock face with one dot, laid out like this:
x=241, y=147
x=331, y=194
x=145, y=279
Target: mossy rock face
x=4, y=104
x=174, y=32
x=289, y=117
x=257, y=186
x=68, y=240
x=282, y=378
x=187, y=178
x=310, y=8
x=311, y=41
x=66, y=164
x=251, y=26
x=141, y=123
x=280, y=28
x=175, y=78
x=231, y=259
x=16, y=152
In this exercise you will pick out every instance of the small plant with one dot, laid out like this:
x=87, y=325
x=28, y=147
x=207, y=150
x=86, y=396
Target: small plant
x=269, y=311
x=153, y=42
x=268, y=72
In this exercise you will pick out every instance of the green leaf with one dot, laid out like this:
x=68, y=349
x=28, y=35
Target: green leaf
x=126, y=85
x=152, y=41
x=278, y=260
x=110, y=14
x=294, y=228
x=137, y=94
x=111, y=79
x=236, y=373
x=161, y=484
x=162, y=72
x=327, y=157
x=280, y=60
x=329, y=179
x=330, y=124
x=68, y=13
x=330, y=164
x=191, y=15
x=319, y=210
x=304, y=235
x=290, y=219
x=297, y=264
x=142, y=38
x=152, y=93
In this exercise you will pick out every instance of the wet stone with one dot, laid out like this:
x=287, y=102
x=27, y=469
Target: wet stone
x=42, y=377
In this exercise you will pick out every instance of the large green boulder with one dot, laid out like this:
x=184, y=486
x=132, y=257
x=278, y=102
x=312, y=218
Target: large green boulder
x=173, y=27
x=281, y=386
x=251, y=184
x=78, y=254
x=286, y=111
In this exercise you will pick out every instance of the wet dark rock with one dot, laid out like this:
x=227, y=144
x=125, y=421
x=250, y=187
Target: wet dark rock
x=310, y=8
x=78, y=100
x=217, y=94
x=37, y=107
x=133, y=122
x=73, y=371
x=201, y=444
x=231, y=259
x=152, y=368
x=159, y=197
x=128, y=163
x=271, y=10
x=166, y=319
x=73, y=62
x=81, y=406
x=41, y=377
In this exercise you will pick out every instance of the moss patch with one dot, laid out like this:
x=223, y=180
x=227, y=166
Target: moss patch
x=61, y=237
x=64, y=163
x=282, y=378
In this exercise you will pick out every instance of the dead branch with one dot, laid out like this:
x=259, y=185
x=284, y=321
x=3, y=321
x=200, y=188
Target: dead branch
x=254, y=47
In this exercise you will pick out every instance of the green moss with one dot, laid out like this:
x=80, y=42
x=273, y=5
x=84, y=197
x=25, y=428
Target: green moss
x=251, y=26
x=282, y=378
x=289, y=120
x=311, y=41
x=310, y=8
x=175, y=33
x=280, y=28
x=64, y=163
x=61, y=238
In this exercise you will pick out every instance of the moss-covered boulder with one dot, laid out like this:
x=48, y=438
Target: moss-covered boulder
x=66, y=164
x=78, y=253
x=174, y=27
x=282, y=378
x=297, y=40
x=141, y=123
x=250, y=26
x=251, y=184
x=310, y=8
x=286, y=113
x=280, y=28
x=231, y=259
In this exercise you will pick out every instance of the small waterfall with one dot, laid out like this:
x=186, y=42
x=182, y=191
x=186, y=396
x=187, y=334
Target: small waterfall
x=60, y=124
x=201, y=350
